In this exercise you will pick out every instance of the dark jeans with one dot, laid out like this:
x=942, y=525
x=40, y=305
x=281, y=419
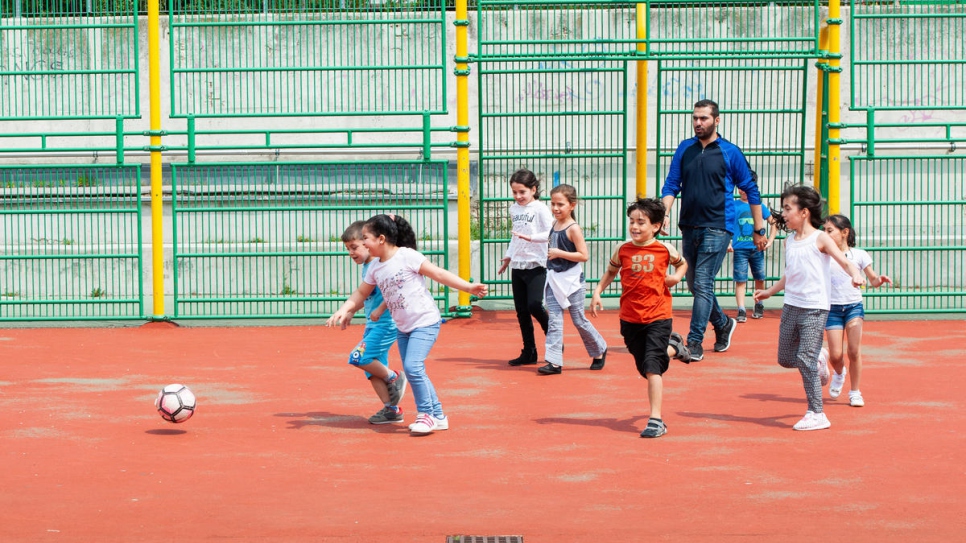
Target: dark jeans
x=528, y=301
x=704, y=250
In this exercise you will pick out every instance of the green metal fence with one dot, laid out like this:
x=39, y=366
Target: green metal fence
x=257, y=240
x=553, y=97
x=239, y=58
x=70, y=243
x=59, y=62
x=263, y=239
x=70, y=239
x=907, y=184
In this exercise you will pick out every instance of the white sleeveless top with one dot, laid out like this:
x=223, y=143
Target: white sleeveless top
x=807, y=275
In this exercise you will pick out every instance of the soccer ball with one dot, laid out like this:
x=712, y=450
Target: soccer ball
x=176, y=403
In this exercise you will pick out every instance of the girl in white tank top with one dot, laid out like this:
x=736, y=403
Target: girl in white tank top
x=807, y=285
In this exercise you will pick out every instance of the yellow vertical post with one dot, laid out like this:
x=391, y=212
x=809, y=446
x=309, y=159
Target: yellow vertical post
x=834, y=105
x=157, y=204
x=641, y=151
x=821, y=68
x=462, y=72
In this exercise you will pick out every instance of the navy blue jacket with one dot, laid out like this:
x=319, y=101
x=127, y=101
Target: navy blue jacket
x=706, y=179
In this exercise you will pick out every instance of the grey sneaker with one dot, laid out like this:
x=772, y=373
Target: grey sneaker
x=722, y=338
x=655, y=428
x=742, y=315
x=759, y=311
x=397, y=388
x=697, y=351
x=683, y=354
x=386, y=416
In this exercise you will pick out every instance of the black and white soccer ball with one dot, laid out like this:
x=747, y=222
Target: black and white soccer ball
x=176, y=403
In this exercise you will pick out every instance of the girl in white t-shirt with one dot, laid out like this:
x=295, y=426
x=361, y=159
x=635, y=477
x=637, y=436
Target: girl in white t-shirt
x=400, y=271
x=847, y=315
x=527, y=259
x=806, y=284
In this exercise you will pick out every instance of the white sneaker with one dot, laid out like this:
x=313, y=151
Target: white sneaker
x=427, y=424
x=823, y=372
x=838, y=381
x=855, y=399
x=812, y=421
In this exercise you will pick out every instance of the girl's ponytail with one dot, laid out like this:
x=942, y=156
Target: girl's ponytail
x=397, y=230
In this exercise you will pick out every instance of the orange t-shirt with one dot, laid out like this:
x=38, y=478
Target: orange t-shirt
x=644, y=296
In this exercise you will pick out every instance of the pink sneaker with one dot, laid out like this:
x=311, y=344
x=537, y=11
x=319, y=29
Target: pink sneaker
x=427, y=424
x=823, y=372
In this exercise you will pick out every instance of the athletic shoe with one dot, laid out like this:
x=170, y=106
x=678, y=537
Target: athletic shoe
x=696, y=350
x=386, y=415
x=427, y=424
x=681, y=350
x=838, y=381
x=722, y=338
x=397, y=388
x=759, y=311
x=655, y=428
x=742, y=316
x=550, y=369
x=812, y=421
x=855, y=399
x=598, y=363
x=823, y=373
x=526, y=357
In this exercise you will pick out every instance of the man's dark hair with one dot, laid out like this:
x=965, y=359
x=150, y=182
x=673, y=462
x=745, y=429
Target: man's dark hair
x=708, y=103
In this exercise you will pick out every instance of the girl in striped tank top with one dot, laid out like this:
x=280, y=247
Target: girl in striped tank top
x=807, y=287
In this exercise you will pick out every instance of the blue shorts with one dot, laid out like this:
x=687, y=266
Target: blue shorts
x=840, y=315
x=375, y=344
x=745, y=257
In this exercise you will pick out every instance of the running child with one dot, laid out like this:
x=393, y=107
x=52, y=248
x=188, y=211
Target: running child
x=807, y=286
x=746, y=254
x=565, y=283
x=645, y=310
x=400, y=271
x=847, y=314
x=527, y=260
x=371, y=355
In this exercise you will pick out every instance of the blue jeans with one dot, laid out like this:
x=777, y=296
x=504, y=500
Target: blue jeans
x=414, y=348
x=704, y=250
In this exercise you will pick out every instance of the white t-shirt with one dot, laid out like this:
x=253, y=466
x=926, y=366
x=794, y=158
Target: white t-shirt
x=843, y=293
x=807, y=282
x=535, y=220
x=404, y=289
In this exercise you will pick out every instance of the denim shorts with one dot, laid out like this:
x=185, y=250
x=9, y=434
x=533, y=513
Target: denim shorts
x=744, y=257
x=840, y=315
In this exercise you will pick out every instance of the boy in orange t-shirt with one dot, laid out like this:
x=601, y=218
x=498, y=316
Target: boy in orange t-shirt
x=645, y=307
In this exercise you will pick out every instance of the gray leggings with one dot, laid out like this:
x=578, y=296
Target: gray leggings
x=799, y=344
x=593, y=341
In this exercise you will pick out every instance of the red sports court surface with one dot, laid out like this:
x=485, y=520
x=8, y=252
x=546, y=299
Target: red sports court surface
x=280, y=449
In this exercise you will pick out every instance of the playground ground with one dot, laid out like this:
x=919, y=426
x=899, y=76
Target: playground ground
x=280, y=450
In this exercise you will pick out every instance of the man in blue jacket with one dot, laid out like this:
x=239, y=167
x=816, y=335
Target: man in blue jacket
x=705, y=171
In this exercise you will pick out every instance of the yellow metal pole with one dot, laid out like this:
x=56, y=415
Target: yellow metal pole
x=834, y=110
x=463, y=150
x=641, y=151
x=157, y=205
x=822, y=46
